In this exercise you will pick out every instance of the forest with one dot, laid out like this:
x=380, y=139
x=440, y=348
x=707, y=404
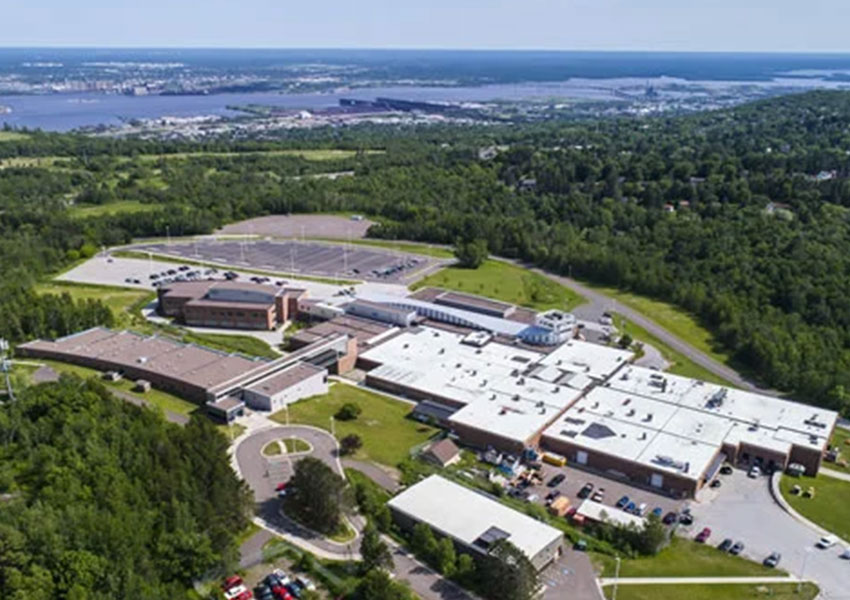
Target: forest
x=739, y=216
x=103, y=500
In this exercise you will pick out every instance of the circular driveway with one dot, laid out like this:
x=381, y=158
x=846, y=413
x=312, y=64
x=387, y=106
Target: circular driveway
x=263, y=473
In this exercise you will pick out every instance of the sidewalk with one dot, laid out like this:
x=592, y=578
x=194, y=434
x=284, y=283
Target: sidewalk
x=695, y=580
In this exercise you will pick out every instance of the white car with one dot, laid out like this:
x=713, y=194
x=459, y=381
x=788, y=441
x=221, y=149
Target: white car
x=845, y=555
x=825, y=542
x=284, y=578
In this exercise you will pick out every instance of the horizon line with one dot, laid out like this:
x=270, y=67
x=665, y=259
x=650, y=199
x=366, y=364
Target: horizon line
x=425, y=49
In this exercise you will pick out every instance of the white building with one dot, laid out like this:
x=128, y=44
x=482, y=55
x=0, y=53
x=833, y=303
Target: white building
x=474, y=521
x=299, y=381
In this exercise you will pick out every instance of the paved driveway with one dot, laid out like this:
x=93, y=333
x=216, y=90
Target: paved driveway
x=743, y=509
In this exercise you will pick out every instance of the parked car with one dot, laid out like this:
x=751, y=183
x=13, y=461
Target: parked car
x=754, y=472
x=623, y=502
x=737, y=548
x=726, y=469
x=586, y=491
x=598, y=495
x=305, y=583
x=703, y=535
x=556, y=480
x=631, y=507
x=670, y=518
x=725, y=545
x=657, y=511
x=641, y=509
x=826, y=542
x=772, y=560
x=551, y=496
x=263, y=592
x=715, y=484
x=231, y=581
x=580, y=545
x=846, y=554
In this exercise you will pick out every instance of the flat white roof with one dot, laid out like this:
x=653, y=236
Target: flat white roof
x=594, y=360
x=465, y=515
x=500, y=388
x=678, y=425
x=600, y=512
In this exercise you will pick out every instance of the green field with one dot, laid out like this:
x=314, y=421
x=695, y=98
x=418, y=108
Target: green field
x=244, y=344
x=829, y=508
x=165, y=401
x=680, y=364
x=13, y=136
x=506, y=282
x=31, y=161
x=112, y=208
x=750, y=591
x=387, y=433
x=121, y=301
x=685, y=558
x=672, y=318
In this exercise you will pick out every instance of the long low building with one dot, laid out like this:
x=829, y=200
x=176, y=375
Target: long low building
x=200, y=374
x=673, y=433
x=497, y=394
x=473, y=521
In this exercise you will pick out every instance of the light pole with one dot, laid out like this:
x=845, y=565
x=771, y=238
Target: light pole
x=616, y=576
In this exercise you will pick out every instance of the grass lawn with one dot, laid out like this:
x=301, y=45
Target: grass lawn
x=672, y=318
x=293, y=445
x=119, y=300
x=773, y=591
x=244, y=344
x=685, y=558
x=680, y=364
x=272, y=448
x=506, y=282
x=387, y=433
x=344, y=534
x=163, y=400
x=829, y=508
x=112, y=208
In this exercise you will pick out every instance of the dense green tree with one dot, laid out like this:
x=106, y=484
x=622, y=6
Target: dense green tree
x=316, y=496
x=471, y=253
x=508, y=574
x=378, y=585
x=375, y=552
x=350, y=444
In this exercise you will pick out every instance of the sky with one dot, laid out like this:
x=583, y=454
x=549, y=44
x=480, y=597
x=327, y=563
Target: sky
x=664, y=25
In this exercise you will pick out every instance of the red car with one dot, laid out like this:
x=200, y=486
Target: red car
x=281, y=593
x=280, y=486
x=231, y=581
x=703, y=535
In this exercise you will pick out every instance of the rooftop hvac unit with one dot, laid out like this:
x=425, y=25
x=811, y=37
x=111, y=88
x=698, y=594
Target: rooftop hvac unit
x=648, y=417
x=631, y=412
x=515, y=398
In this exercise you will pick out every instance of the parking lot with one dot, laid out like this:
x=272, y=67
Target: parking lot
x=612, y=490
x=309, y=258
x=744, y=510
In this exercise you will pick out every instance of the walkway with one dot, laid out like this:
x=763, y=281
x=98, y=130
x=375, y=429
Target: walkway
x=383, y=477
x=694, y=580
x=834, y=474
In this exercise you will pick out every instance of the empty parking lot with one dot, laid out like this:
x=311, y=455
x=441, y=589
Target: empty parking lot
x=307, y=258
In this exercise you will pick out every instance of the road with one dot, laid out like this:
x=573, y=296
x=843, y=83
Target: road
x=262, y=475
x=597, y=303
x=744, y=509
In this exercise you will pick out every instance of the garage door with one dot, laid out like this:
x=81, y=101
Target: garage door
x=581, y=457
x=656, y=480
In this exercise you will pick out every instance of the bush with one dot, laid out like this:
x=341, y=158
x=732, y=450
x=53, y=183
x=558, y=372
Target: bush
x=348, y=412
x=350, y=444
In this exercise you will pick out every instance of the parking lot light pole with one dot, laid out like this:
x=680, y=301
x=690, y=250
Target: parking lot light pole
x=616, y=576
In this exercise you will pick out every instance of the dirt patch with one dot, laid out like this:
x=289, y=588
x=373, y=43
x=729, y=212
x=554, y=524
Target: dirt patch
x=315, y=226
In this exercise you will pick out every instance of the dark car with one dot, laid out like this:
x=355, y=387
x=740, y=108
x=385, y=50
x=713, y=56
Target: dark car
x=773, y=560
x=623, y=502
x=670, y=518
x=585, y=491
x=737, y=548
x=702, y=536
x=263, y=592
x=550, y=497
x=556, y=480
x=725, y=545
x=726, y=469
x=715, y=483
